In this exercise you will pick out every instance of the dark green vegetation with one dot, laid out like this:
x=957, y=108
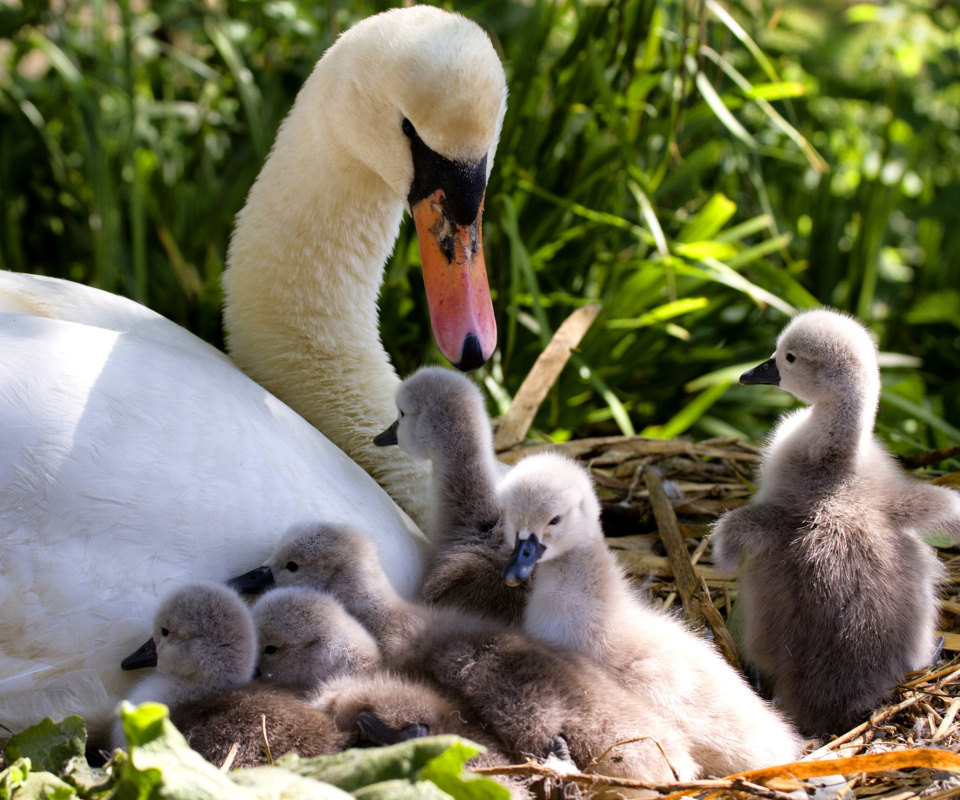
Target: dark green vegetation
x=699, y=167
x=47, y=761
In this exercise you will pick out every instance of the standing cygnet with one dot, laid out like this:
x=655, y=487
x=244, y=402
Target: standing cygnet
x=838, y=589
x=205, y=655
x=527, y=693
x=582, y=599
x=442, y=418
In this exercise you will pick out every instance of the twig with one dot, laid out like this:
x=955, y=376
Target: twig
x=228, y=761
x=929, y=457
x=595, y=761
x=631, y=445
x=514, y=425
x=672, y=538
x=266, y=742
x=948, y=719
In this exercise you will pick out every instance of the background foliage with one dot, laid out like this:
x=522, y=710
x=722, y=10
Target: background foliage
x=700, y=167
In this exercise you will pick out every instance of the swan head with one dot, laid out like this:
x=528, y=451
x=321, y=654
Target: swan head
x=418, y=96
x=549, y=508
x=821, y=356
x=204, y=637
x=433, y=406
x=307, y=637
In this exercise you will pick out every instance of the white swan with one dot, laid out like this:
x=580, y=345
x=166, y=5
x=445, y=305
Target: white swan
x=132, y=454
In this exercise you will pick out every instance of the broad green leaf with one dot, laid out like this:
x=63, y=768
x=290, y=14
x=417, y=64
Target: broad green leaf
x=43, y=786
x=281, y=784
x=402, y=790
x=161, y=764
x=13, y=776
x=447, y=771
x=49, y=745
x=708, y=221
x=698, y=250
x=936, y=307
x=355, y=768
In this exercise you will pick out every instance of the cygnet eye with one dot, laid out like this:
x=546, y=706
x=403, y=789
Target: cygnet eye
x=408, y=129
x=164, y=632
x=293, y=566
x=791, y=357
x=555, y=520
x=270, y=649
x=401, y=413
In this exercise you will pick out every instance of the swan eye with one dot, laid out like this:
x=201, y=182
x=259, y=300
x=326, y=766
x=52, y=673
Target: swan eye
x=401, y=415
x=791, y=357
x=164, y=632
x=293, y=566
x=555, y=520
x=408, y=130
x=270, y=649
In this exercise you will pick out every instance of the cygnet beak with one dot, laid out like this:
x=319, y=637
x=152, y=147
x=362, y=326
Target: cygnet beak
x=765, y=373
x=388, y=437
x=256, y=581
x=144, y=656
x=526, y=553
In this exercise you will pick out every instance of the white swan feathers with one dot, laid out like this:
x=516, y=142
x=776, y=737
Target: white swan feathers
x=133, y=455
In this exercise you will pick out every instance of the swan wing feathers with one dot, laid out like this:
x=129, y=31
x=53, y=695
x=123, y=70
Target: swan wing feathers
x=128, y=465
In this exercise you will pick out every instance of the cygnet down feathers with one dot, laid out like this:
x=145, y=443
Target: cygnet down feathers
x=441, y=417
x=205, y=654
x=526, y=693
x=838, y=589
x=582, y=599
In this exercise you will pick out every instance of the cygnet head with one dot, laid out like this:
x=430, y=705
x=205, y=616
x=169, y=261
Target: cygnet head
x=328, y=558
x=306, y=638
x=433, y=405
x=549, y=508
x=821, y=355
x=205, y=637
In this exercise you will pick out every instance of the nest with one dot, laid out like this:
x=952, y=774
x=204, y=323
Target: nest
x=660, y=499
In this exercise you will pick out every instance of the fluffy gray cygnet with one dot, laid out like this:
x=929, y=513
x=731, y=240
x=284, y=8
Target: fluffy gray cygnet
x=526, y=693
x=206, y=650
x=838, y=588
x=442, y=418
x=582, y=599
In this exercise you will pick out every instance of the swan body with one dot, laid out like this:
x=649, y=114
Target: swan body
x=442, y=418
x=839, y=590
x=134, y=455
x=582, y=599
x=524, y=692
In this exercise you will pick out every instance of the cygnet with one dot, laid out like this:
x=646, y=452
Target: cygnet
x=839, y=591
x=527, y=693
x=582, y=599
x=441, y=418
x=205, y=654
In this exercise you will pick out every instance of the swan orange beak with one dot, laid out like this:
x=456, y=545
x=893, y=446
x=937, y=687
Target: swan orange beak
x=455, y=278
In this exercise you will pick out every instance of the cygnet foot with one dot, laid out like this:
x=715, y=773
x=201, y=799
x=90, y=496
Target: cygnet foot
x=377, y=732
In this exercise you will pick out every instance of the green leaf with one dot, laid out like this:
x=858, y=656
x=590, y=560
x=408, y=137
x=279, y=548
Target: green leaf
x=43, y=786
x=776, y=91
x=401, y=790
x=353, y=769
x=49, y=745
x=730, y=122
x=661, y=313
x=708, y=221
x=281, y=784
x=689, y=414
x=13, y=776
x=447, y=771
x=161, y=764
